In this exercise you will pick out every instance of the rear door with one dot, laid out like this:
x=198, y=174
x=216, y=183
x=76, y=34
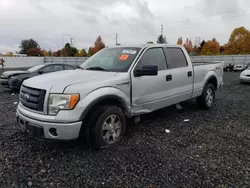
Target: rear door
x=180, y=72
x=149, y=92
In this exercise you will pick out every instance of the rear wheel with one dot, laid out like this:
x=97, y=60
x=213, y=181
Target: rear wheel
x=206, y=100
x=106, y=127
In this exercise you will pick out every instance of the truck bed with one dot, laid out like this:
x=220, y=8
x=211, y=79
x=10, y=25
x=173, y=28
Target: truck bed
x=200, y=71
x=199, y=63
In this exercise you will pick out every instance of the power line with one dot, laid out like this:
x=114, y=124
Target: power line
x=204, y=23
x=217, y=14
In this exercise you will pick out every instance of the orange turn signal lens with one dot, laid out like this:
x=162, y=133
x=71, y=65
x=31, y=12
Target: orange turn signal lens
x=73, y=100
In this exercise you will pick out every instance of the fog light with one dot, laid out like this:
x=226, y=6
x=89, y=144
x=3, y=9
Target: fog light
x=53, y=132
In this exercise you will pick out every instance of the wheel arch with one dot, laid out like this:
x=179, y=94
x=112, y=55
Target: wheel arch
x=106, y=100
x=211, y=80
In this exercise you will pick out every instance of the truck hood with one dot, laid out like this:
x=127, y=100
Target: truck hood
x=11, y=73
x=58, y=81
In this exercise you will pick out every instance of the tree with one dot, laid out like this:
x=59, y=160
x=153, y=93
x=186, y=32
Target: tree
x=188, y=46
x=82, y=53
x=99, y=44
x=28, y=44
x=222, y=49
x=45, y=53
x=73, y=52
x=211, y=47
x=57, y=53
x=203, y=42
x=50, y=53
x=179, y=42
x=68, y=51
x=239, y=42
x=34, y=52
x=90, y=51
x=10, y=54
x=161, y=40
x=150, y=42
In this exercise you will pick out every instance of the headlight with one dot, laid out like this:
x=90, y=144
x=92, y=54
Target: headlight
x=243, y=73
x=59, y=102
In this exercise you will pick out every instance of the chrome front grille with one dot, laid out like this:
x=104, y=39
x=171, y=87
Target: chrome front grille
x=32, y=98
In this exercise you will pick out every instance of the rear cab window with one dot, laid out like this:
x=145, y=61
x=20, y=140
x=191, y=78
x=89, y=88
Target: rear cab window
x=175, y=58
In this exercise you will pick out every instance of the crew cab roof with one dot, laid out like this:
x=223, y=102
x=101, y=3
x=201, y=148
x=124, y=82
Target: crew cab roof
x=146, y=45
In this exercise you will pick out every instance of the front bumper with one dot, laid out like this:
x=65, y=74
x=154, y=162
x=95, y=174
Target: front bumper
x=238, y=69
x=4, y=82
x=47, y=130
x=245, y=79
x=14, y=83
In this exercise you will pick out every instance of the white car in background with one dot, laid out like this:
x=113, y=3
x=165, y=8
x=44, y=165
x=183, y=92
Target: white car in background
x=245, y=76
x=239, y=67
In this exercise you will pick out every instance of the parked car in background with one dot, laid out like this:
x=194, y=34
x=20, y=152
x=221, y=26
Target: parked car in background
x=228, y=67
x=247, y=66
x=115, y=85
x=245, y=76
x=239, y=67
x=14, y=79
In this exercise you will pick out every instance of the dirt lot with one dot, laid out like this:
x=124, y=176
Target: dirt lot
x=211, y=150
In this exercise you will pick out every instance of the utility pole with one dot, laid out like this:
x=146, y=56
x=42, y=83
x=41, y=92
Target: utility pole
x=162, y=29
x=116, y=39
x=71, y=43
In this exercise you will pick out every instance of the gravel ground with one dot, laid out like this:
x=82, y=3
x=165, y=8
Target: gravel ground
x=211, y=150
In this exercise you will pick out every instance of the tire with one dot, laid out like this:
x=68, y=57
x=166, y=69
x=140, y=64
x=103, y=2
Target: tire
x=103, y=128
x=206, y=100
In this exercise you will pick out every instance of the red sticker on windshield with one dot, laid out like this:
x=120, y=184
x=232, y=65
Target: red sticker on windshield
x=123, y=57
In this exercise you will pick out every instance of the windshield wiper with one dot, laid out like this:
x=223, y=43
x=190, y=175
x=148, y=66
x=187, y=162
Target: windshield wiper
x=96, y=68
x=78, y=67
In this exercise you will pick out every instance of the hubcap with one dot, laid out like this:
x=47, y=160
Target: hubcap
x=209, y=97
x=111, y=129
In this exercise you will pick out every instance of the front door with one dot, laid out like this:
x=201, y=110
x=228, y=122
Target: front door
x=149, y=92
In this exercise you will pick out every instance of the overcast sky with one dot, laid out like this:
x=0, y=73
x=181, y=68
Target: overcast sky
x=53, y=22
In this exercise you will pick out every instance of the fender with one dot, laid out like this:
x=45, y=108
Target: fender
x=100, y=94
x=210, y=76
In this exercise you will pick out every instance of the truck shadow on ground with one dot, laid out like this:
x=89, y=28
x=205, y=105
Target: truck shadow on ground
x=159, y=118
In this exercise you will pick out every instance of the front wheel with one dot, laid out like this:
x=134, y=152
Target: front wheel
x=206, y=100
x=106, y=127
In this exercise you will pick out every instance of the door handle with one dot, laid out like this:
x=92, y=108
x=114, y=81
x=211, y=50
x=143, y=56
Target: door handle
x=168, y=78
x=189, y=73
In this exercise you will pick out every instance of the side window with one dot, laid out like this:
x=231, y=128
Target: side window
x=154, y=56
x=52, y=68
x=176, y=58
x=58, y=68
x=48, y=68
x=67, y=67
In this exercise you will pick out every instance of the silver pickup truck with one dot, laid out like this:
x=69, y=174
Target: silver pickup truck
x=115, y=85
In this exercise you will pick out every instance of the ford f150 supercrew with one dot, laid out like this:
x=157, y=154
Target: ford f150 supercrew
x=113, y=86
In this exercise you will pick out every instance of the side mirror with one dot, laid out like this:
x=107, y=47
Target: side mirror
x=148, y=70
x=41, y=72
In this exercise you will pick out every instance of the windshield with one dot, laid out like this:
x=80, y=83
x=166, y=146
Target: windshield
x=111, y=59
x=35, y=68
